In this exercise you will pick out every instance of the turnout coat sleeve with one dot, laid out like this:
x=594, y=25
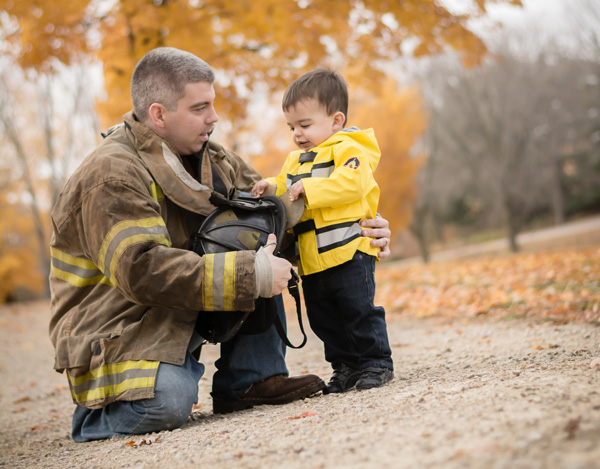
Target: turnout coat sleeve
x=125, y=289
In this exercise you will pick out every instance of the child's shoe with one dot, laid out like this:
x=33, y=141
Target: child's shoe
x=343, y=379
x=374, y=377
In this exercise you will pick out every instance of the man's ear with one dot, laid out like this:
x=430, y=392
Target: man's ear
x=156, y=113
x=338, y=121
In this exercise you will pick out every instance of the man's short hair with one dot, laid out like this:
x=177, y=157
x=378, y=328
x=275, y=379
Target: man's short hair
x=160, y=77
x=326, y=86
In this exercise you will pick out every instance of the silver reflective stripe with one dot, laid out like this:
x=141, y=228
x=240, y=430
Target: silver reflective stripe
x=218, y=285
x=81, y=272
x=334, y=236
x=130, y=233
x=218, y=289
x=77, y=271
x=322, y=170
x=113, y=379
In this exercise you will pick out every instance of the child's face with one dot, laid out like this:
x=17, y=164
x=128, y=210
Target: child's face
x=310, y=124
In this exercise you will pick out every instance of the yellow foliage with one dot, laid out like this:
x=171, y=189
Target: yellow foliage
x=48, y=29
x=266, y=42
x=19, y=260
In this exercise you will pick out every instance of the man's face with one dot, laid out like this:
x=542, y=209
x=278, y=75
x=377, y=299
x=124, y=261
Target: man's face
x=310, y=124
x=190, y=125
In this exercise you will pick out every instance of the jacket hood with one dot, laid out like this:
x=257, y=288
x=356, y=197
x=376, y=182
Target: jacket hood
x=363, y=138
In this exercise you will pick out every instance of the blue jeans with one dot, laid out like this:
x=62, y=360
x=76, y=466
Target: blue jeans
x=245, y=360
x=341, y=312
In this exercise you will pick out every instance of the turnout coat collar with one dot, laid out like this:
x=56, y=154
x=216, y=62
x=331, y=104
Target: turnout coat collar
x=166, y=167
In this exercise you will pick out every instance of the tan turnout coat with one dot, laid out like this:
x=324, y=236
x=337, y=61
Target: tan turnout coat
x=126, y=290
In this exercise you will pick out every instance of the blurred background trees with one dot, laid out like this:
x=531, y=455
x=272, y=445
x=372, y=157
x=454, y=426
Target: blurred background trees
x=482, y=127
x=519, y=134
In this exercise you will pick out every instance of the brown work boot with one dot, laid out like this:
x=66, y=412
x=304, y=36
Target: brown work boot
x=278, y=389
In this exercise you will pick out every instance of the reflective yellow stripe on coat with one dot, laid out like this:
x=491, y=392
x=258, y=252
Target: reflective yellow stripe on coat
x=112, y=379
x=125, y=234
x=75, y=270
x=219, y=281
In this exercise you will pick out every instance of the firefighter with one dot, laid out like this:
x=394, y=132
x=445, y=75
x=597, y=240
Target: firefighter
x=126, y=290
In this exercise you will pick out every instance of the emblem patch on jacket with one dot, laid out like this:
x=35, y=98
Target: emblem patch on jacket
x=352, y=163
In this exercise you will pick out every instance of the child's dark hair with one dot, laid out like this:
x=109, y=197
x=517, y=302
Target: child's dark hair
x=326, y=86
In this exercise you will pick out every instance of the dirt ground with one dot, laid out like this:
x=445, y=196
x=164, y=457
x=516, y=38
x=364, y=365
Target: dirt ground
x=489, y=394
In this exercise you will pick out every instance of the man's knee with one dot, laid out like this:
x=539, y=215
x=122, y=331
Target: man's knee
x=175, y=392
x=170, y=410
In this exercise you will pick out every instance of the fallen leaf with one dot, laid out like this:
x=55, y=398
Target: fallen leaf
x=572, y=426
x=37, y=428
x=143, y=442
x=303, y=415
x=543, y=286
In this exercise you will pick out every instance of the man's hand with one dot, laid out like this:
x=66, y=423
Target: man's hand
x=380, y=230
x=280, y=267
x=296, y=190
x=259, y=188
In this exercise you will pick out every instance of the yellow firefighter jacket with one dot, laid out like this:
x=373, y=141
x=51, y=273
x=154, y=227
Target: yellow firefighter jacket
x=337, y=176
x=126, y=290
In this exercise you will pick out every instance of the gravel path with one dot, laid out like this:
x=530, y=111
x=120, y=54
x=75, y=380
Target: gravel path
x=508, y=394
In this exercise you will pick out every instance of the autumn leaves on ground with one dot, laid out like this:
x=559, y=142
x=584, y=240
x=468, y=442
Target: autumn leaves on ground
x=559, y=286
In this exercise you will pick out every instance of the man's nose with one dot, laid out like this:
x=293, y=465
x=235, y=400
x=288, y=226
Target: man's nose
x=212, y=116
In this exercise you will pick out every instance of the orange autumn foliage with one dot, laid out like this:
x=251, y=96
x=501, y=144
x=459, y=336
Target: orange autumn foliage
x=19, y=261
x=398, y=118
x=560, y=286
x=250, y=42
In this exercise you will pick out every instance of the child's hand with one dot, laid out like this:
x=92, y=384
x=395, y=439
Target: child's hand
x=296, y=190
x=259, y=188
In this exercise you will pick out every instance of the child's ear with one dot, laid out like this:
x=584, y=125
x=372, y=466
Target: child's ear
x=338, y=121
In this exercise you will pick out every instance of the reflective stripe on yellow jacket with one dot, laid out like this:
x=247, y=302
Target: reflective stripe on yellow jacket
x=340, y=191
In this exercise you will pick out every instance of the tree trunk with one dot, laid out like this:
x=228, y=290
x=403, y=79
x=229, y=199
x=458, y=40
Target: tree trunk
x=14, y=138
x=513, y=224
x=424, y=247
x=418, y=229
x=512, y=237
x=558, y=198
